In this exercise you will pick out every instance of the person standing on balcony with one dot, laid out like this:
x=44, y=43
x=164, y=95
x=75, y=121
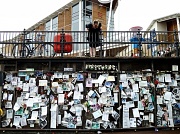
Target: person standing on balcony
x=93, y=36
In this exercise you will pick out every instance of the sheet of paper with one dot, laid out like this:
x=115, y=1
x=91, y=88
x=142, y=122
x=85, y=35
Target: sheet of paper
x=58, y=75
x=76, y=95
x=10, y=96
x=124, y=84
x=23, y=121
x=174, y=67
x=135, y=88
x=26, y=87
x=78, y=111
x=135, y=112
x=60, y=99
x=9, y=114
x=53, y=107
x=132, y=122
x=43, y=111
x=16, y=120
x=30, y=102
x=159, y=99
x=89, y=82
x=167, y=77
x=143, y=84
x=42, y=82
x=55, y=84
x=97, y=114
x=5, y=96
x=161, y=78
x=14, y=81
x=145, y=117
x=140, y=105
x=123, y=77
x=34, y=115
x=53, y=119
x=167, y=95
x=90, y=93
x=110, y=78
x=105, y=116
x=59, y=119
x=116, y=98
x=101, y=79
x=16, y=107
x=80, y=87
x=151, y=117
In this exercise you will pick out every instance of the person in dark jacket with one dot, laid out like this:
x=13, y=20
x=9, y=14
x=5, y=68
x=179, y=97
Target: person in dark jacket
x=93, y=36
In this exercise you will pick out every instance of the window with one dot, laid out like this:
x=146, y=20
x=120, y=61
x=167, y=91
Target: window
x=55, y=23
x=111, y=19
x=75, y=25
x=48, y=28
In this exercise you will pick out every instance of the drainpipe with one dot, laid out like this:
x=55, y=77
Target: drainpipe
x=80, y=29
x=110, y=10
x=178, y=27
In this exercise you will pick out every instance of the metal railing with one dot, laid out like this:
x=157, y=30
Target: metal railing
x=29, y=44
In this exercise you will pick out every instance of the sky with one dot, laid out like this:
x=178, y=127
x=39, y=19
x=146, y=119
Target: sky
x=16, y=15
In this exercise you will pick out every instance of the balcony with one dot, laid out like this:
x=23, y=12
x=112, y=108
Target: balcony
x=111, y=44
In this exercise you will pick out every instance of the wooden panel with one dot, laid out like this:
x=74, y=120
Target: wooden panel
x=171, y=26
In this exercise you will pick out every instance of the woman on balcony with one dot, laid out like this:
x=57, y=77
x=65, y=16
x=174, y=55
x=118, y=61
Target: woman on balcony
x=93, y=36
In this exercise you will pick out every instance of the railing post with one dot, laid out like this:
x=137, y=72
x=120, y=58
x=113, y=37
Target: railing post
x=24, y=43
x=176, y=42
x=100, y=42
x=62, y=41
x=139, y=36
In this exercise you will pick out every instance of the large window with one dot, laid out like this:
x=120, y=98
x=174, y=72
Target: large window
x=111, y=19
x=55, y=24
x=48, y=37
x=75, y=25
x=86, y=13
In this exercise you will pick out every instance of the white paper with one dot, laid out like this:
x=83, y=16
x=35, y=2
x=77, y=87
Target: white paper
x=53, y=119
x=16, y=120
x=123, y=77
x=76, y=95
x=34, y=115
x=105, y=116
x=159, y=99
x=42, y=82
x=55, y=84
x=58, y=75
x=90, y=93
x=5, y=96
x=167, y=77
x=142, y=83
x=30, y=102
x=167, y=95
x=110, y=78
x=26, y=87
x=151, y=117
x=135, y=88
x=145, y=117
x=80, y=87
x=132, y=122
x=140, y=105
x=60, y=99
x=124, y=84
x=101, y=78
x=43, y=111
x=23, y=121
x=135, y=112
x=161, y=78
x=9, y=114
x=59, y=119
x=97, y=114
x=16, y=107
x=174, y=67
x=10, y=96
x=115, y=97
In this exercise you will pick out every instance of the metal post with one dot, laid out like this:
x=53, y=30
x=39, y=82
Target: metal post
x=109, y=19
x=23, y=45
x=139, y=36
x=62, y=41
x=176, y=42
